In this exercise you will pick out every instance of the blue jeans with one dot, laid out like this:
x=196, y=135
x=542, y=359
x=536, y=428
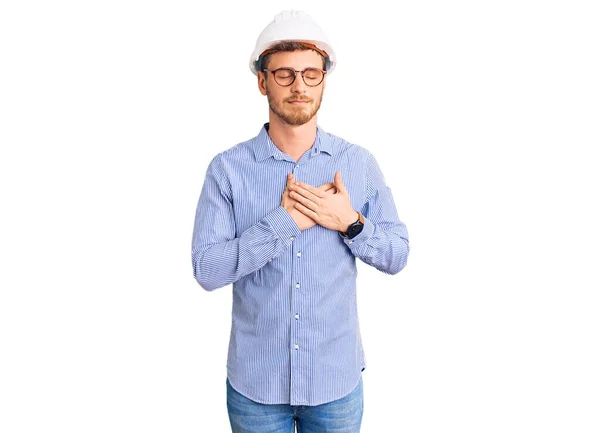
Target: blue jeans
x=339, y=416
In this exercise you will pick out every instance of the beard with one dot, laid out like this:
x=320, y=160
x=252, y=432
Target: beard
x=294, y=116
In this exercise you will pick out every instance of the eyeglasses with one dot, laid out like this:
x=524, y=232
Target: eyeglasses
x=286, y=76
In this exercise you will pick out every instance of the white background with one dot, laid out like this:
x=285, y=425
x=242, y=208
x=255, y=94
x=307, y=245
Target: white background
x=484, y=117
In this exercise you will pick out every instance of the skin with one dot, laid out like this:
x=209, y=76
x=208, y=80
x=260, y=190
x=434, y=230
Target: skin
x=293, y=129
x=289, y=203
x=330, y=210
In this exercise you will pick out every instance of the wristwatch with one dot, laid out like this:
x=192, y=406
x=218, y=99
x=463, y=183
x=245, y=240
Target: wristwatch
x=355, y=228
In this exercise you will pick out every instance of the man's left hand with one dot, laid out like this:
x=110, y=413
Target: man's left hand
x=333, y=211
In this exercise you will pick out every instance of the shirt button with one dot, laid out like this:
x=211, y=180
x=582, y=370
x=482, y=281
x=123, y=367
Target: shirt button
x=270, y=260
x=296, y=346
x=298, y=254
x=292, y=238
x=297, y=285
x=350, y=242
x=297, y=316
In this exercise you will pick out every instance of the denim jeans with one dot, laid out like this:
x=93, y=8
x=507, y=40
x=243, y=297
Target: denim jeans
x=339, y=416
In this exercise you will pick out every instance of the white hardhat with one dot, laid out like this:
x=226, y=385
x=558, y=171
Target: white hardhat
x=292, y=26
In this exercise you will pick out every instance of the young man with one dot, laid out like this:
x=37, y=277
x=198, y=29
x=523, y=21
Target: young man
x=283, y=217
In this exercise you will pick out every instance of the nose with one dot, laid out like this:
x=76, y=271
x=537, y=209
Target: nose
x=299, y=86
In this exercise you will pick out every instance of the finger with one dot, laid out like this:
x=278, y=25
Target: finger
x=290, y=182
x=305, y=201
x=304, y=193
x=306, y=211
x=326, y=186
x=309, y=188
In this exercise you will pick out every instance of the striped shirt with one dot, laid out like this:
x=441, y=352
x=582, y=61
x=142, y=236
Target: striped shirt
x=295, y=336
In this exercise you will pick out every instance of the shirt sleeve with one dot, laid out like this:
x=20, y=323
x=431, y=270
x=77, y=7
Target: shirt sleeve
x=383, y=242
x=218, y=256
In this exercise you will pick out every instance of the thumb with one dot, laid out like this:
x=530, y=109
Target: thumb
x=338, y=182
x=290, y=180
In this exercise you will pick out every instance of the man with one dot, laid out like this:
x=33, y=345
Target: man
x=283, y=217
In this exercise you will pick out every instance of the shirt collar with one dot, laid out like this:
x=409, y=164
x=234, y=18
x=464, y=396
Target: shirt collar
x=264, y=146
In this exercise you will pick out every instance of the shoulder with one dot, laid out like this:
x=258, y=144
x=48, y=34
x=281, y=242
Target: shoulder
x=239, y=152
x=225, y=163
x=230, y=158
x=346, y=149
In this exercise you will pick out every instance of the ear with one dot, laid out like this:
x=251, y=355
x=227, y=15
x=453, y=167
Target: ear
x=262, y=83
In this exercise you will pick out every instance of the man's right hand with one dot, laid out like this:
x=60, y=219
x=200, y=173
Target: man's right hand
x=302, y=221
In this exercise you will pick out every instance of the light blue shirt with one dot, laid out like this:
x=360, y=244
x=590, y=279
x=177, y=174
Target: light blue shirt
x=295, y=336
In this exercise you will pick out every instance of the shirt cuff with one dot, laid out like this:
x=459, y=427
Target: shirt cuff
x=282, y=223
x=362, y=237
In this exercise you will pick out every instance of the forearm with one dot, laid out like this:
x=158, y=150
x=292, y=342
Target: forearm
x=217, y=264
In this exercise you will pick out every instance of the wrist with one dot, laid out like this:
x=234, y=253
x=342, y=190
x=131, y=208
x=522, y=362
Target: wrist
x=352, y=218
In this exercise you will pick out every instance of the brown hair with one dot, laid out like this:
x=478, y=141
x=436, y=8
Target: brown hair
x=263, y=60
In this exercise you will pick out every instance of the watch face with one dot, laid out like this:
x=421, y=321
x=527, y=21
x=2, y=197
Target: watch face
x=355, y=229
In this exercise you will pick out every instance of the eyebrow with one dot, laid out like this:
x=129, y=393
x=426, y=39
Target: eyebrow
x=289, y=67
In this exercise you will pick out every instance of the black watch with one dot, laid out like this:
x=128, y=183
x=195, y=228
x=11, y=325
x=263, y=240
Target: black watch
x=355, y=228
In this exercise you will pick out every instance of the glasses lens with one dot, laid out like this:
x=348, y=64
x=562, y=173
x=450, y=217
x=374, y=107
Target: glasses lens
x=313, y=77
x=284, y=77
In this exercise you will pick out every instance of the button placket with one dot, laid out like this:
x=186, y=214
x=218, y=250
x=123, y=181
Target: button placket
x=296, y=305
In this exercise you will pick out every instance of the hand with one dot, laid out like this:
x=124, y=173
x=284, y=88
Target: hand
x=302, y=221
x=333, y=211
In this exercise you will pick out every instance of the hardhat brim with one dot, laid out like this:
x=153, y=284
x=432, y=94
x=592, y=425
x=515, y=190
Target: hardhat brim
x=319, y=44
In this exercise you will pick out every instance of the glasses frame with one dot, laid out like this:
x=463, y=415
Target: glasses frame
x=295, y=76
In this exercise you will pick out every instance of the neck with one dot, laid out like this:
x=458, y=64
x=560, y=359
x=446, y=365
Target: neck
x=292, y=140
